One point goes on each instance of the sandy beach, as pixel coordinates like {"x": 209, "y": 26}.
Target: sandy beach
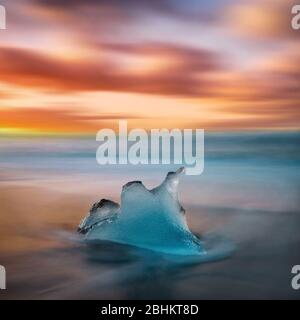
{"x": 45, "y": 259}
{"x": 246, "y": 199}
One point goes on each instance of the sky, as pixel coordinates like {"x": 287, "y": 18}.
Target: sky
{"x": 74, "y": 67}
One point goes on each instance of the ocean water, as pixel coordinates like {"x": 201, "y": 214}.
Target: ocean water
{"x": 246, "y": 203}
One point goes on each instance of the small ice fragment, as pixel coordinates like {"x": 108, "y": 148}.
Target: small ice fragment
{"x": 151, "y": 219}
{"x": 104, "y": 210}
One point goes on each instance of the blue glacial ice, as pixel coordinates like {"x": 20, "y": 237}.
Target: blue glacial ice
{"x": 150, "y": 219}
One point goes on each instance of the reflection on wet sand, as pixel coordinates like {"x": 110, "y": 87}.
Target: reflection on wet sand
{"x": 248, "y": 195}
{"x": 45, "y": 259}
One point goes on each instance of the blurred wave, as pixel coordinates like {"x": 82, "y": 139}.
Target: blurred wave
{"x": 248, "y": 196}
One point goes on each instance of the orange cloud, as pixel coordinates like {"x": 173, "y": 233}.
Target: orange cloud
{"x": 53, "y": 120}
{"x": 185, "y": 75}
{"x": 149, "y": 58}
{"x": 261, "y": 19}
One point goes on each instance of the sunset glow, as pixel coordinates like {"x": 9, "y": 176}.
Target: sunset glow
{"x": 78, "y": 66}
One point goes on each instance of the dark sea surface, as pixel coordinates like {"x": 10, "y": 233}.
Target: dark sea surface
{"x": 246, "y": 202}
